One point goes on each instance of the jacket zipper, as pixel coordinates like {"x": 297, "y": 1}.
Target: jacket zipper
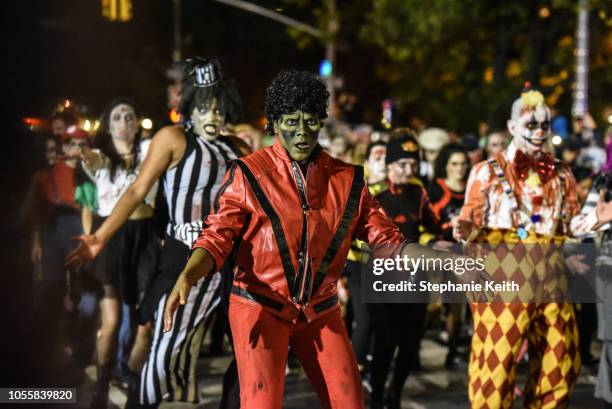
{"x": 301, "y": 293}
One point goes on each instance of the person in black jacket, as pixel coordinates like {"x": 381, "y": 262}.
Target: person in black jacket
{"x": 406, "y": 202}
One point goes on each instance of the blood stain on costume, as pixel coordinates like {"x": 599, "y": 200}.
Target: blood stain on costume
{"x": 259, "y": 385}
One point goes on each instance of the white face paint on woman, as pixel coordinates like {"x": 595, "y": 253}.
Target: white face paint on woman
{"x": 123, "y": 124}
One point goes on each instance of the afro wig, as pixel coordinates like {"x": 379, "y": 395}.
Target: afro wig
{"x": 292, "y": 91}
{"x": 223, "y": 90}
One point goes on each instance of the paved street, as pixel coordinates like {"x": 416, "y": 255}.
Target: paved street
{"x": 433, "y": 388}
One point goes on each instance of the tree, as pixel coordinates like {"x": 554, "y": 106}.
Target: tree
{"x": 456, "y": 62}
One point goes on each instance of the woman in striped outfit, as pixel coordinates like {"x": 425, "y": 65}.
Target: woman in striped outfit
{"x": 191, "y": 160}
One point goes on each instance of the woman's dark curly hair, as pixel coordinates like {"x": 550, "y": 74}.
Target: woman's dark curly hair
{"x": 225, "y": 91}
{"x": 444, "y": 156}
{"x": 292, "y": 91}
{"x": 104, "y": 141}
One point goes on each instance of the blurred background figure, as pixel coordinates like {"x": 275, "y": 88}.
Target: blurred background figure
{"x": 406, "y": 202}
{"x": 56, "y": 219}
{"x": 592, "y": 154}
{"x": 568, "y": 153}
{"x": 63, "y": 120}
{"x": 375, "y": 166}
{"x": 339, "y": 149}
{"x": 51, "y": 150}
{"x": 472, "y": 146}
{"x": 350, "y": 109}
{"x": 251, "y": 136}
{"x": 559, "y": 123}
{"x": 360, "y": 324}
{"x": 447, "y": 194}
{"x": 495, "y": 143}
{"x": 431, "y": 141}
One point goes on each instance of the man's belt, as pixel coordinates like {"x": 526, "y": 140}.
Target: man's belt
{"x": 278, "y": 306}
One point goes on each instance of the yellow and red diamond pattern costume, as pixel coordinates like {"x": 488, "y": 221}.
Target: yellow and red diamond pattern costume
{"x": 524, "y": 218}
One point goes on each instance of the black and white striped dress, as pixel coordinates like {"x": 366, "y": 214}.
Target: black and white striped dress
{"x": 189, "y": 190}
{"x": 191, "y": 186}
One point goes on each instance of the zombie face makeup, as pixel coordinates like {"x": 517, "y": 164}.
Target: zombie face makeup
{"x": 208, "y": 120}
{"x": 377, "y": 170}
{"x": 298, "y": 133}
{"x": 402, "y": 170}
{"x": 530, "y": 127}
{"x": 123, "y": 123}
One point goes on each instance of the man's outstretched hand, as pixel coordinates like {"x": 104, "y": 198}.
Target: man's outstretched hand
{"x": 89, "y": 247}
{"x": 177, "y": 297}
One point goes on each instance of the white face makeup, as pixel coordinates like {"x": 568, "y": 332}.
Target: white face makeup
{"x": 402, "y": 170}
{"x": 208, "y": 121}
{"x": 123, "y": 123}
{"x": 531, "y": 129}
{"x": 377, "y": 170}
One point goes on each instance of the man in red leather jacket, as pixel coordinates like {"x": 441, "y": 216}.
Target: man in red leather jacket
{"x": 287, "y": 215}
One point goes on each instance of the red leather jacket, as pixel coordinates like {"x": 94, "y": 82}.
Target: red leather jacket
{"x": 292, "y": 233}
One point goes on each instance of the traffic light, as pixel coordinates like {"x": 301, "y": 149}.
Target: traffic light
{"x": 117, "y": 10}
{"x": 325, "y": 69}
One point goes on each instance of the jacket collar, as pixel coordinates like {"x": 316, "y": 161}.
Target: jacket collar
{"x": 282, "y": 153}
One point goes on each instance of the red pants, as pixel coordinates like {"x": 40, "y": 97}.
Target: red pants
{"x": 261, "y": 342}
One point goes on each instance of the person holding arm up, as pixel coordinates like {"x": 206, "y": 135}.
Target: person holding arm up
{"x": 191, "y": 160}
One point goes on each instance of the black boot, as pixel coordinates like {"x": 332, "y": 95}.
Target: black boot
{"x": 133, "y": 390}
{"x": 100, "y": 397}
{"x": 133, "y": 393}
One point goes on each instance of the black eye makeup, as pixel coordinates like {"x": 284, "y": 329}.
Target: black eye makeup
{"x": 533, "y": 125}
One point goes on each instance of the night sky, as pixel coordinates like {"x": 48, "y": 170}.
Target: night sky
{"x": 66, "y": 49}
